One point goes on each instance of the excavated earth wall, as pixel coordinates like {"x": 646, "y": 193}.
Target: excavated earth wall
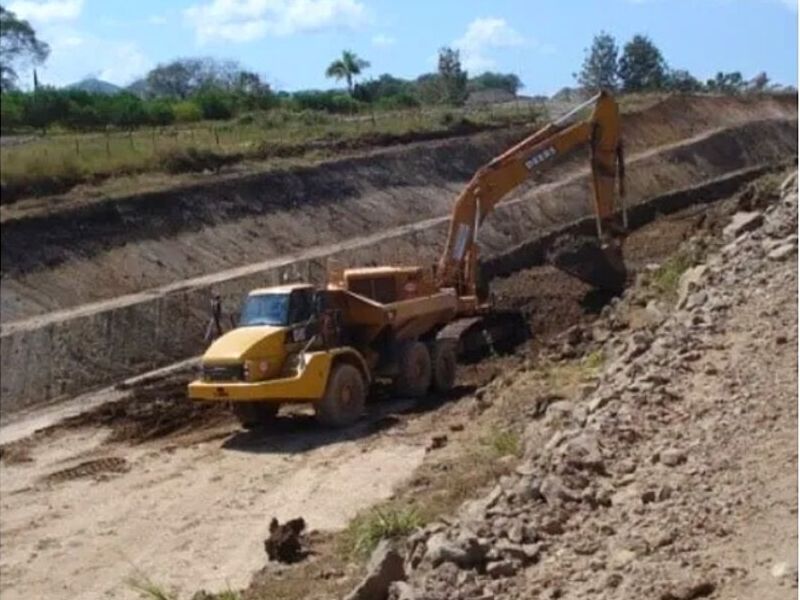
{"x": 79, "y": 345}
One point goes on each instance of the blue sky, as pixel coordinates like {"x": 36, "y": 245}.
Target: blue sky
{"x": 290, "y": 42}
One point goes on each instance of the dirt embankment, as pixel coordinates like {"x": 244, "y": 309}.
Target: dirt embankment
{"x": 60, "y": 256}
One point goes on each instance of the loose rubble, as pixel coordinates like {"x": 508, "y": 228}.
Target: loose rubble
{"x": 623, "y": 490}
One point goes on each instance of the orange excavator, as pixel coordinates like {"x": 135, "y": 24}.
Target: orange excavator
{"x": 326, "y": 345}
{"x": 597, "y": 261}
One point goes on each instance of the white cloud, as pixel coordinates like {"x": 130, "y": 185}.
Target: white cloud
{"x": 45, "y": 12}
{"x": 124, "y": 62}
{"x": 382, "y": 40}
{"x": 482, "y": 35}
{"x": 246, "y": 20}
{"x": 790, "y": 4}
{"x": 157, "y": 20}
{"x": 74, "y": 55}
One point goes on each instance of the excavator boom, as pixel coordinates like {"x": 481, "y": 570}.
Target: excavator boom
{"x": 600, "y": 133}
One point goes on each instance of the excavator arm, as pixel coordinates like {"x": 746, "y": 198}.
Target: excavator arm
{"x": 600, "y": 133}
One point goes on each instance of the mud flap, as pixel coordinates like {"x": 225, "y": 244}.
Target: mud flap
{"x": 494, "y": 333}
{"x": 601, "y": 265}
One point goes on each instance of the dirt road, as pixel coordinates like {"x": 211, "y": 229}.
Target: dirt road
{"x": 189, "y": 512}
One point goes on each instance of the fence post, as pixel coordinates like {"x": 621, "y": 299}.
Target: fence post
{"x": 108, "y": 144}
{"x": 130, "y": 138}
{"x": 216, "y": 135}
{"x": 77, "y": 146}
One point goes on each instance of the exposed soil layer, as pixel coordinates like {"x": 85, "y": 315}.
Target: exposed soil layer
{"x": 129, "y": 244}
{"x": 152, "y": 411}
{"x": 551, "y": 300}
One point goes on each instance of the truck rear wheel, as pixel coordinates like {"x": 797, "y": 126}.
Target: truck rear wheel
{"x": 444, "y": 362}
{"x": 252, "y": 415}
{"x": 345, "y": 395}
{"x": 415, "y": 370}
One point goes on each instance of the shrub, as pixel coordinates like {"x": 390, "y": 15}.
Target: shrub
{"x": 127, "y": 111}
{"x": 11, "y": 110}
{"x": 369, "y": 528}
{"x": 397, "y": 101}
{"x": 187, "y": 112}
{"x": 160, "y": 112}
{"x": 214, "y": 104}
{"x": 330, "y": 101}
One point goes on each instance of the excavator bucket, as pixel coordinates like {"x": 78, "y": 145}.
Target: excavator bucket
{"x": 587, "y": 258}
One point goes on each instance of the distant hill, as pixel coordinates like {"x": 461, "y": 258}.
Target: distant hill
{"x": 138, "y": 88}
{"x": 96, "y": 86}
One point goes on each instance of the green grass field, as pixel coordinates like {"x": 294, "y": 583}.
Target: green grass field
{"x": 58, "y": 161}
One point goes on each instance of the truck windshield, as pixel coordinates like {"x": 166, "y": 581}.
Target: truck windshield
{"x": 265, "y": 309}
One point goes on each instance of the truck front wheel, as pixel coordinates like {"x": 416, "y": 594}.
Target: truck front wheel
{"x": 345, "y": 395}
{"x": 252, "y": 415}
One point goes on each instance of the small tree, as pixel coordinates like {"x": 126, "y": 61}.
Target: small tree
{"x": 18, "y": 44}
{"x": 758, "y": 83}
{"x": 680, "y": 80}
{"x": 452, "y": 77}
{"x": 347, "y": 67}
{"x": 599, "y": 70}
{"x": 495, "y": 81}
{"x": 726, "y": 83}
{"x": 642, "y": 67}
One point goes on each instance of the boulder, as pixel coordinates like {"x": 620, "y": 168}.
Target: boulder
{"x": 743, "y": 222}
{"x": 385, "y": 567}
{"x": 465, "y": 551}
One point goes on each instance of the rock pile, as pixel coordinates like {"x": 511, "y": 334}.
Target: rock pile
{"x": 621, "y": 489}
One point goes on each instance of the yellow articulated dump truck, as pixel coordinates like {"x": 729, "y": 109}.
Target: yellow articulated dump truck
{"x": 296, "y": 343}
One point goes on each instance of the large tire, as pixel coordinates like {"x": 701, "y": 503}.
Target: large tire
{"x": 252, "y": 415}
{"x": 414, "y": 377}
{"x": 344, "y": 399}
{"x": 444, "y": 361}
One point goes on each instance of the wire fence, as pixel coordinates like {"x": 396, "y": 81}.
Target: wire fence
{"x": 115, "y": 151}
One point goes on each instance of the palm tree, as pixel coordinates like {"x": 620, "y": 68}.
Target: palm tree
{"x": 346, "y": 67}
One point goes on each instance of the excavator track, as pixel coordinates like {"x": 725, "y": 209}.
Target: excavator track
{"x": 497, "y": 332}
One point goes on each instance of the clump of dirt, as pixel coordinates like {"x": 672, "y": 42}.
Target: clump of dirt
{"x": 552, "y": 300}
{"x": 17, "y": 452}
{"x": 286, "y": 543}
{"x": 195, "y": 160}
{"x": 152, "y": 411}
{"x": 90, "y": 468}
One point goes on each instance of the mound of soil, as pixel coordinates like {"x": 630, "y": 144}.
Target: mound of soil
{"x": 152, "y": 411}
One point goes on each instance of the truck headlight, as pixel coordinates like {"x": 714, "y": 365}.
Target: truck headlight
{"x": 253, "y": 369}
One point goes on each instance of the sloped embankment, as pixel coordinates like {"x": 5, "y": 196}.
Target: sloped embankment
{"x": 54, "y": 258}
{"x": 65, "y": 352}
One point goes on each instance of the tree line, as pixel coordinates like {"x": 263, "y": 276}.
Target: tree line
{"x": 641, "y": 67}
{"x": 193, "y": 89}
